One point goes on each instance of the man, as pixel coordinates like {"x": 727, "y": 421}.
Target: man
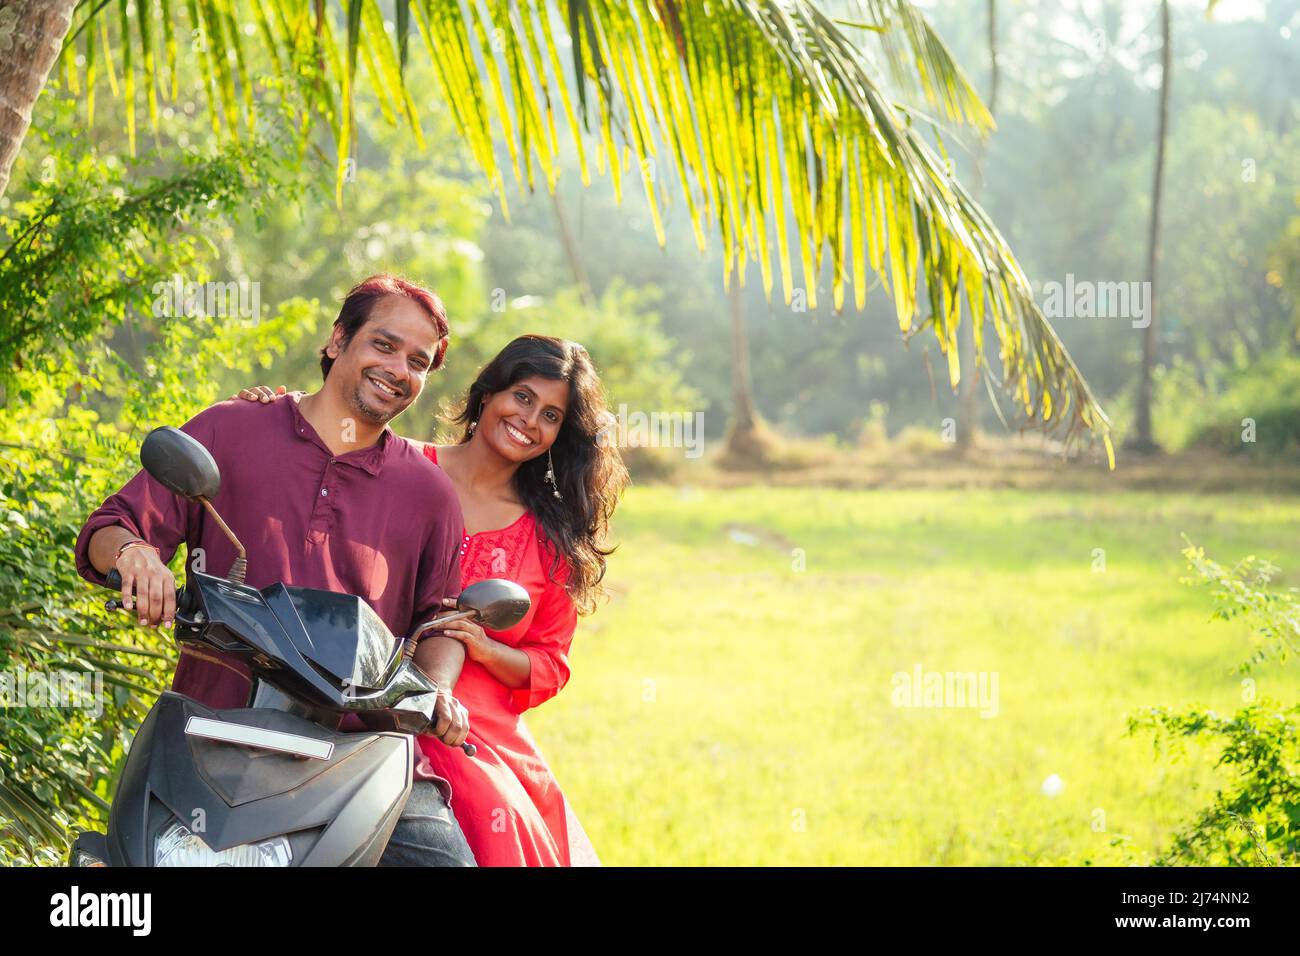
{"x": 322, "y": 494}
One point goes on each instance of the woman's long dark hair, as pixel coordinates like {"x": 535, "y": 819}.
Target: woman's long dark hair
{"x": 589, "y": 470}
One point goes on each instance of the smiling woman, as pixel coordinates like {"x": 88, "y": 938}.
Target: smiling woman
{"x": 537, "y": 488}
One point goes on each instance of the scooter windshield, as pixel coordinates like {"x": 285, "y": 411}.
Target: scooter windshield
{"x": 342, "y": 635}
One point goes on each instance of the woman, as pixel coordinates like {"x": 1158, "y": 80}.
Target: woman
{"x": 537, "y": 488}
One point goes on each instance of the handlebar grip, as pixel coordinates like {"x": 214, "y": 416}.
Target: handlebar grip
{"x": 113, "y": 581}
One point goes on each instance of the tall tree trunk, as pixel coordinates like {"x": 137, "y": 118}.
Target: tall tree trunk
{"x": 967, "y": 405}
{"x": 994, "y": 77}
{"x": 571, "y": 253}
{"x": 743, "y": 443}
{"x": 31, "y": 35}
{"x": 1142, "y": 439}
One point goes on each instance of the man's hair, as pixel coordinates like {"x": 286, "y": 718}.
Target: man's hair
{"x": 361, "y": 300}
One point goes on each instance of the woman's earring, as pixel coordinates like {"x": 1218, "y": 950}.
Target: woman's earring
{"x": 550, "y": 475}
{"x": 473, "y": 425}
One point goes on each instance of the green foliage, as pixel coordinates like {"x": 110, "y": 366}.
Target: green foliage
{"x": 56, "y": 764}
{"x": 430, "y": 223}
{"x": 87, "y": 250}
{"x": 639, "y": 365}
{"x": 1067, "y": 175}
{"x": 1250, "y": 407}
{"x": 1256, "y": 819}
{"x": 1242, "y": 591}
{"x": 403, "y": 214}
{"x": 1285, "y": 271}
{"x": 58, "y": 460}
{"x": 809, "y": 159}
{"x": 1267, "y": 393}
{"x": 95, "y": 235}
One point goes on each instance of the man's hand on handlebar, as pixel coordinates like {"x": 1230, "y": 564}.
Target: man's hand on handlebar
{"x": 148, "y": 586}
{"x": 450, "y": 720}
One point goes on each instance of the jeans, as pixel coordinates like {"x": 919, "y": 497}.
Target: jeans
{"x": 427, "y": 834}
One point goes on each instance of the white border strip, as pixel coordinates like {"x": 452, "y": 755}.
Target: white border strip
{"x": 259, "y": 737}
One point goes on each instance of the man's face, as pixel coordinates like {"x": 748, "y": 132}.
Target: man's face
{"x": 382, "y": 370}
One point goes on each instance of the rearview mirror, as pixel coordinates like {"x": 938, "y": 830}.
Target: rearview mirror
{"x": 180, "y": 464}
{"x": 495, "y": 603}
{"x": 499, "y": 604}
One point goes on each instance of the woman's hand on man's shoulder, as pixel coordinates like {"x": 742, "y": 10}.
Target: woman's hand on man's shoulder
{"x": 260, "y": 393}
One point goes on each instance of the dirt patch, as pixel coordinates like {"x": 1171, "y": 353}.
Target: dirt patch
{"x": 1014, "y": 463}
{"x": 753, "y": 535}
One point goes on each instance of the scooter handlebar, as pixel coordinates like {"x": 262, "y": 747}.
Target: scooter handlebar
{"x": 113, "y": 581}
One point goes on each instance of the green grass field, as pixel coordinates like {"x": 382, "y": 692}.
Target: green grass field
{"x": 728, "y": 708}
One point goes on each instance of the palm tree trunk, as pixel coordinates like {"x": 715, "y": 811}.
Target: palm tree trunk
{"x": 1142, "y": 439}
{"x": 994, "y": 77}
{"x": 967, "y": 405}
{"x": 31, "y": 35}
{"x": 743, "y": 444}
{"x": 571, "y": 253}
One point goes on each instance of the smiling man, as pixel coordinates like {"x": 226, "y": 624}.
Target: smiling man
{"x": 323, "y": 494}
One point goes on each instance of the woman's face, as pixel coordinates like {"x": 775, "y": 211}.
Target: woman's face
{"x": 522, "y": 421}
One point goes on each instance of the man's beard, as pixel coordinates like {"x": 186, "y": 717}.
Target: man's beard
{"x": 375, "y": 415}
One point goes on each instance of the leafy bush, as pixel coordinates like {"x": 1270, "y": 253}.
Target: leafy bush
{"x": 639, "y": 366}
{"x": 56, "y": 765}
{"x": 1256, "y": 818}
{"x": 85, "y": 250}
{"x": 1268, "y": 394}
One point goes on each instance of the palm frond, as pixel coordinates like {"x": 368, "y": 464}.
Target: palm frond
{"x": 30, "y": 817}
{"x": 46, "y": 639}
{"x": 769, "y": 114}
{"x": 917, "y": 60}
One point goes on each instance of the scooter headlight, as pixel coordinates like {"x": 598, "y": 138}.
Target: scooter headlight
{"x": 177, "y": 846}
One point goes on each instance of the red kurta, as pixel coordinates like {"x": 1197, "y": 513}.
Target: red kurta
{"x": 505, "y": 798}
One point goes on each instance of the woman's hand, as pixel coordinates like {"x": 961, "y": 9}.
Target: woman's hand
{"x": 259, "y": 393}
{"x": 509, "y": 665}
{"x": 477, "y": 644}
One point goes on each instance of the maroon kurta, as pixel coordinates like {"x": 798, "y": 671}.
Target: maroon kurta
{"x": 382, "y": 523}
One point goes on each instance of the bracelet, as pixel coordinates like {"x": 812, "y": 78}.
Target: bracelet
{"x": 137, "y": 543}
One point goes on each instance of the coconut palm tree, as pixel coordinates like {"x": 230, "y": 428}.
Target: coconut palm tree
{"x": 967, "y": 411}
{"x": 772, "y": 125}
{"x": 1143, "y": 439}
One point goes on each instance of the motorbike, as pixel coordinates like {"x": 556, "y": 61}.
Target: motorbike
{"x": 280, "y": 782}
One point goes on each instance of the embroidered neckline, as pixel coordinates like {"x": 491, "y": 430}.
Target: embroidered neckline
{"x": 511, "y": 541}
{"x": 495, "y": 554}
{"x": 501, "y": 530}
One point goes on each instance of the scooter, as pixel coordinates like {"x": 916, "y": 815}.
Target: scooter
{"x": 276, "y": 783}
